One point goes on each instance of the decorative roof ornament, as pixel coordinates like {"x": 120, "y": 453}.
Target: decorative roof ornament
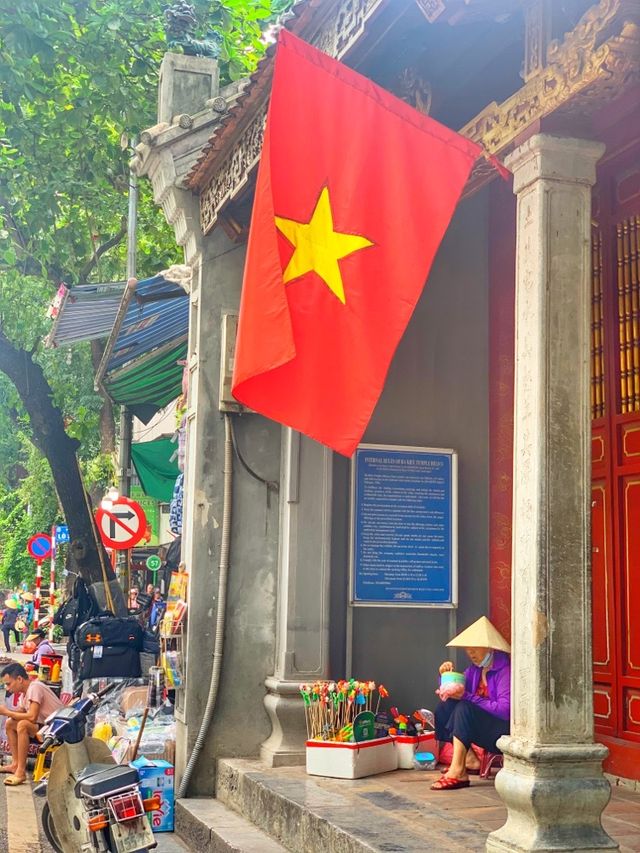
{"x": 180, "y": 28}
{"x": 415, "y": 90}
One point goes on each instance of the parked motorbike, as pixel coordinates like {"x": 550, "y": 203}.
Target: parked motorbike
{"x": 93, "y": 804}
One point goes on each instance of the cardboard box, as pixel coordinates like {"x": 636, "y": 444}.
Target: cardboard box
{"x": 407, "y": 746}
{"x": 351, "y": 760}
{"x": 156, "y": 777}
{"x": 133, "y": 698}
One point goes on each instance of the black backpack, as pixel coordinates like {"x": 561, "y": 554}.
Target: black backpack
{"x": 79, "y": 607}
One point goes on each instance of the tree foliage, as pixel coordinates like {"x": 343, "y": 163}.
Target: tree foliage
{"x": 78, "y": 82}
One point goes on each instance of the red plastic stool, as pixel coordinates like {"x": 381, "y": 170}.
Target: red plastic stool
{"x": 489, "y": 760}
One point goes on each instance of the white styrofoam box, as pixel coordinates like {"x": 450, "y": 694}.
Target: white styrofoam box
{"x": 407, "y": 746}
{"x": 351, "y": 760}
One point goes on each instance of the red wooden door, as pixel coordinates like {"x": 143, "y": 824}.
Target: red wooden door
{"x": 615, "y": 402}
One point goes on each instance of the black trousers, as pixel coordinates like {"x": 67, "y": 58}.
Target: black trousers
{"x": 6, "y": 632}
{"x": 469, "y": 723}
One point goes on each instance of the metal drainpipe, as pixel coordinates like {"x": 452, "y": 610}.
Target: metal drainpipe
{"x": 227, "y": 494}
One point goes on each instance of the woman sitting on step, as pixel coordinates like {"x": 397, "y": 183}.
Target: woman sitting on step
{"x": 476, "y": 711}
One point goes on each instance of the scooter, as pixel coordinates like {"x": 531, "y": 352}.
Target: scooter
{"x": 93, "y": 804}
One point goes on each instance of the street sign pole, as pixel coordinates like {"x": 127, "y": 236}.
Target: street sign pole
{"x": 52, "y": 581}
{"x": 36, "y": 604}
{"x": 39, "y": 547}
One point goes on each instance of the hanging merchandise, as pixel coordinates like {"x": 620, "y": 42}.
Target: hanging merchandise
{"x": 175, "y": 508}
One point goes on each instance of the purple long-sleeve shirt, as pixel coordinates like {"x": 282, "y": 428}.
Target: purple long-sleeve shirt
{"x": 498, "y": 701}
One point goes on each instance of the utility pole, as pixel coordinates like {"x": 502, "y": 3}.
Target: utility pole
{"x": 126, "y": 419}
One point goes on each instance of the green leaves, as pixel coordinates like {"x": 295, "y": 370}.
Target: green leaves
{"x": 75, "y": 75}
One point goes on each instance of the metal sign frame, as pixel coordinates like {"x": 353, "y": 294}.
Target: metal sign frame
{"x": 452, "y": 502}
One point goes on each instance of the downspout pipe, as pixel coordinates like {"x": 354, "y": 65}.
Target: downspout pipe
{"x": 227, "y": 495}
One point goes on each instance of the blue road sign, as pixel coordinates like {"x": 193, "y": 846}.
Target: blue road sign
{"x": 62, "y": 534}
{"x": 39, "y": 546}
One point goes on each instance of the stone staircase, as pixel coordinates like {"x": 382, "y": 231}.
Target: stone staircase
{"x": 263, "y": 810}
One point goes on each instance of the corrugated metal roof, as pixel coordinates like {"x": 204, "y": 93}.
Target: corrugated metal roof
{"x": 155, "y": 313}
{"x": 149, "y": 337}
{"x": 84, "y": 313}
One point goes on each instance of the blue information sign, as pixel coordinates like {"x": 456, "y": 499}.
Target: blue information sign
{"x": 62, "y": 534}
{"x": 404, "y": 527}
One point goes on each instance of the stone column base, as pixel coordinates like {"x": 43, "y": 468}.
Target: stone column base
{"x": 285, "y": 747}
{"x": 555, "y": 796}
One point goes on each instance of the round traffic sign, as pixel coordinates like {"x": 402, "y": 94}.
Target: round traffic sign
{"x": 153, "y": 563}
{"x": 39, "y": 546}
{"x": 122, "y": 526}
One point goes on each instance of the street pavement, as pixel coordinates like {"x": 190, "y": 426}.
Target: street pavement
{"x": 21, "y": 831}
{"x": 20, "y": 828}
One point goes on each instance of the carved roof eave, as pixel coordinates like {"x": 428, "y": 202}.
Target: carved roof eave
{"x": 595, "y": 62}
{"x": 301, "y": 17}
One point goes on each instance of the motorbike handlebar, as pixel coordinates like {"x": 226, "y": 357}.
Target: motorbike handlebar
{"x": 46, "y": 743}
{"x": 97, "y": 696}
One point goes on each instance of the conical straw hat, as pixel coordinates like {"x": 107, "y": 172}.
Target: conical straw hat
{"x": 482, "y": 635}
{"x": 27, "y": 596}
{"x": 11, "y": 604}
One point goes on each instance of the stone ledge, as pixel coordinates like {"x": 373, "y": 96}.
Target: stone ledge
{"x": 317, "y": 815}
{"x": 209, "y": 827}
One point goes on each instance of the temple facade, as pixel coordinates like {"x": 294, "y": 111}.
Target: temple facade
{"x": 523, "y": 356}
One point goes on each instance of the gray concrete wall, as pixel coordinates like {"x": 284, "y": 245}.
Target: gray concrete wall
{"x": 436, "y": 395}
{"x": 240, "y": 723}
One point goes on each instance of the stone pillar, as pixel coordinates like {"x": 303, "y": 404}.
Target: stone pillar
{"x": 302, "y": 632}
{"x": 186, "y": 84}
{"x": 552, "y": 781}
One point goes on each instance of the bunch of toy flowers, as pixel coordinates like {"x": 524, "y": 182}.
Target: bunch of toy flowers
{"x": 331, "y": 706}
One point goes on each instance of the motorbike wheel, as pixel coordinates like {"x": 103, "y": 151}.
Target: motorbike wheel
{"x": 49, "y": 829}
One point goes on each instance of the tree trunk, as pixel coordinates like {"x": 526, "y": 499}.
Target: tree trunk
{"x": 49, "y": 436}
{"x": 107, "y": 422}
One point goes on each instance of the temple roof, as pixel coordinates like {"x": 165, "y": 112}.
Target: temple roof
{"x": 303, "y": 19}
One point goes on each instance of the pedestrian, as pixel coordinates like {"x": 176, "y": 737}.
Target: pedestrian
{"x": 42, "y": 644}
{"x": 37, "y": 702}
{"x": 9, "y": 618}
{"x": 158, "y": 606}
{"x": 133, "y": 598}
{"x": 28, "y": 608}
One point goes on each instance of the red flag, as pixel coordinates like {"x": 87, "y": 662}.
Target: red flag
{"x": 355, "y": 190}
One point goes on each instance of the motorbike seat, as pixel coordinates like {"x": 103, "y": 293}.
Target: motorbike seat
{"x": 89, "y": 770}
{"x": 106, "y": 779}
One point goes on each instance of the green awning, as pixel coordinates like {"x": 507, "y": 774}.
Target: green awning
{"x": 149, "y": 383}
{"x": 154, "y": 466}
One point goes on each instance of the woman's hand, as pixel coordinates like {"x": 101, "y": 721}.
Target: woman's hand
{"x": 447, "y": 666}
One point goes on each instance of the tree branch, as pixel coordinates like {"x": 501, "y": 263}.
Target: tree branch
{"x": 104, "y": 247}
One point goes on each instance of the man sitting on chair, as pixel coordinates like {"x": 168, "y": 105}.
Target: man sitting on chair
{"x": 37, "y": 702}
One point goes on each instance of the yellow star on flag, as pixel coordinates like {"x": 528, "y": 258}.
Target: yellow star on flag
{"x": 318, "y": 247}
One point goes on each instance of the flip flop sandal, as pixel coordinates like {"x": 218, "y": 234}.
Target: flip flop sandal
{"x": 446, "y": 784}
{"x": 6, "y": 770}
{"x": 13, "y": 781}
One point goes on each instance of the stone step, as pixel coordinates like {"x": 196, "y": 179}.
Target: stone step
{"x": 314, "y": 815}
{"x": 208, "y": 826}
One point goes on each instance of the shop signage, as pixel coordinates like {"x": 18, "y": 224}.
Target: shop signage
{"x": 404, "y": 549}
{"x": 122, "y": 526}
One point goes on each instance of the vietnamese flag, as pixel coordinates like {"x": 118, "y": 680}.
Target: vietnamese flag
{"x": 354, "y": 193}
